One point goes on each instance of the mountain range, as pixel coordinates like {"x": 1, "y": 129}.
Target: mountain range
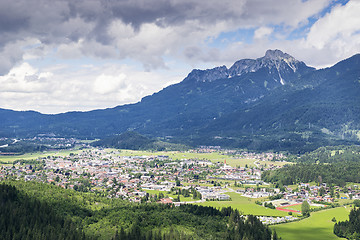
{"x": 273, "y": 102}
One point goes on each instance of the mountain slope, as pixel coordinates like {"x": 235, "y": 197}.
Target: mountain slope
{"x": 327, "y": 112}
{"x": 271, "y": 102}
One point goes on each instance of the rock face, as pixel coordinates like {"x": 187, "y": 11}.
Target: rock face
{"x": 208, "y": 75}
{"x": 281, "y": 66}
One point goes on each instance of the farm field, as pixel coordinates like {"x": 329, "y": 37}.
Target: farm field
{"x": 31, "y": 156}
{"x": 244, "y": 205}
{"x": 213, "y": 157}
{"x": 318, "y": 226}
{"x": 175, "y": 155}
{"x": 277, "y": 163}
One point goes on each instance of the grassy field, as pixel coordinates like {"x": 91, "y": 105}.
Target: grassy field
{"x": 318, "y": 226}
{"x": 214, "y": 157}
{"x": 31, "y": 156}
{"x": 298, "y": 207}
{"x": 277, "y": 163}
{"x": 182, "y": 198}
{"x": 244, "y": 205}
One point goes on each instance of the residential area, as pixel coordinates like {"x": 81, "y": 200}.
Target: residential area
{"x": 162, "y": 179}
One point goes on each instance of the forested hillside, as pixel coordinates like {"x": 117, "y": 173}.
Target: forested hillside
{"x": 24, "y": 217}
{"x": 330, "y": 154}
{"x": 41, "y": 211}
{"x": 336, "y": 173}
{"x": 135, "y": 141}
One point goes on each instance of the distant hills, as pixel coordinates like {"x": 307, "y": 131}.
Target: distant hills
{"x": 273, "y": 102}
{"x": 135, "y": 141}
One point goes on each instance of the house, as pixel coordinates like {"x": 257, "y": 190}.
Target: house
{"x": 223, "y": 197}
{"x": 165, "y": 201}
{"x": 29, "y": 177}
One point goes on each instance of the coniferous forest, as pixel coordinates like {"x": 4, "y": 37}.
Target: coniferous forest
{"x": 31, "y": 210}
{"x": 333, "y": 165}
{"x": 23, "y": 217}
{"x": 349, "y": 229}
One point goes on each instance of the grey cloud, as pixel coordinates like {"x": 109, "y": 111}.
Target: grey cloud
{"x": 9, "y": 56}
{"x": 63, "y": 21}
{"x": 42, "y": 17}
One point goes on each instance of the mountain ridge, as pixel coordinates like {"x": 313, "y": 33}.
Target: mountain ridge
{"x": 255, "y": 102}
{"x": 275, "y": 60}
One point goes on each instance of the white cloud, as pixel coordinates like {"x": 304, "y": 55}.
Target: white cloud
{"x": 105, "y": 84}
{"x": 145, "y": 32}
{"x": 56, "y": 89}
{"x": 343, "y": 22}
{"x": 262, "y": 32}
{"x": 24, "y": 78}
{"x": 338, "y": 31}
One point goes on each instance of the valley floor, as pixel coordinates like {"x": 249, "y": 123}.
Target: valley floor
{"x": 141, "y": 176}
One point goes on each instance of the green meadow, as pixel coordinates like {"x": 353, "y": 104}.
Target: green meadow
{"x": 36, "y": 155}
{"x": 298, "y": 207}
{"x": 213, "y": 157}
{"x": 244, "y": 205}
{"x": 176, "y": 155}
{"x": 318, "y": 226}
{"x": 182, "y": 198}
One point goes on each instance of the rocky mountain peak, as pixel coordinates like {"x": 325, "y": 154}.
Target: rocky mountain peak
{"x": 281, "y": 67}
{"x": 277, "y": 55}
{"x": 208, "y": 75}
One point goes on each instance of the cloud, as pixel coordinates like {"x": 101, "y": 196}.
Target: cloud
{"x": 56, "y": 89}
{"x": 338, "y": 31}
{"x": 262, "y": 32}
{"x": 87, "y": 54}
{"x": 105, "y": 84}
{"x": 25, "y": 79}
{"x": 331, "y": 38}
{"x": 148, "y": 33}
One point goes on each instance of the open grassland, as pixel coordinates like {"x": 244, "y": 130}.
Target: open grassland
{"x": 182, "y": 198}
{"x": 318, "y": 226}
{"x": 31, "y": 156}
{"x": 344, "y": 201}
{"x": 298, "y": 207}
{"x": 213, "y": 157}
{"x": 244, "y": 205}
{"x": 276, "y": 163}
{"x": 176, "y": 155}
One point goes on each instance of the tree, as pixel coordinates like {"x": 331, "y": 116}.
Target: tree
{"x": 357, "y": 203}
{"x": 305, "y": 209}
{"x": 105, "y": 180}
{"x": 177, "y": 182}
{"x": 275, "y": 237}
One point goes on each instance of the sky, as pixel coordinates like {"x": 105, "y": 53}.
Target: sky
{"x": 79, "y": 55}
